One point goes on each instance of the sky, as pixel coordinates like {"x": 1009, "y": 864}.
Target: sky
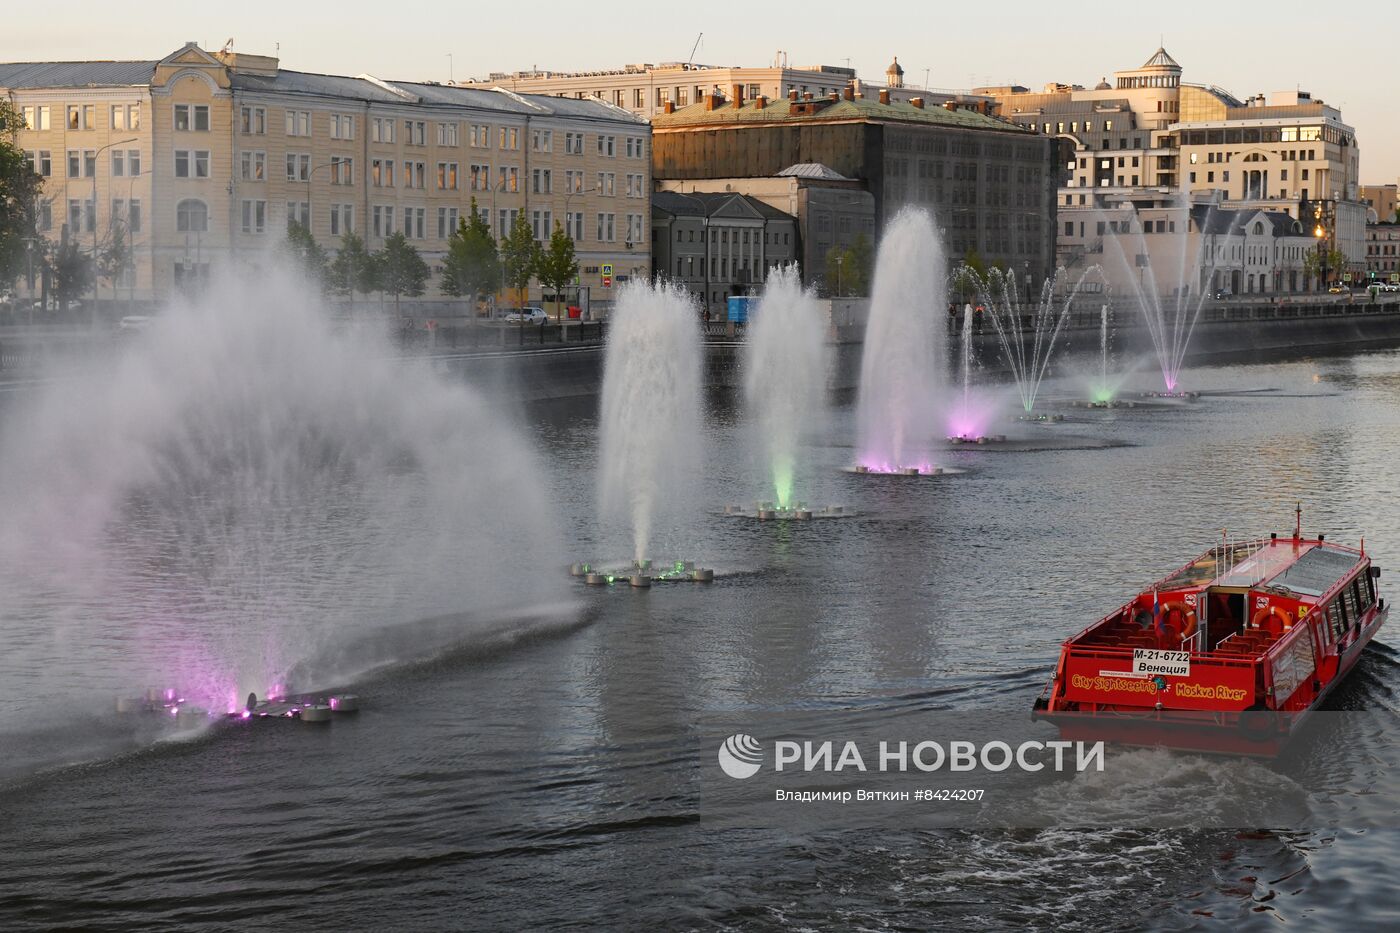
{"x": 1243, "y": 48}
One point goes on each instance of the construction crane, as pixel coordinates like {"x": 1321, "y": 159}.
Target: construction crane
{"x": 690, "y": 61}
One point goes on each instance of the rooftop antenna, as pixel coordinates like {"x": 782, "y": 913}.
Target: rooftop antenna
{"x": 449, "y": 69}
{"x": 694, "y": 48}
{"x": 228, "y": 46}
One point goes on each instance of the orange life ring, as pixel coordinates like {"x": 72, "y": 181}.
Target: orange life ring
{"x": 1187, "y": 613}
{"x": 1267, "y": 612}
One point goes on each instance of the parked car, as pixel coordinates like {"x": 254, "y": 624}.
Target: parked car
{"x": 527, "y": 315}
{"x": 133, "y": 322}
{"x": 1221, "y": 293}
{"x": 1338, "y": 290}
{"x": 1390, "y": 286}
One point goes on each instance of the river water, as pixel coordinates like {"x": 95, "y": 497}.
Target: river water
{"x": 550, "y": 780}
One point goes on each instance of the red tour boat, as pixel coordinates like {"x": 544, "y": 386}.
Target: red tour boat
{"x": 1228, "y": 654}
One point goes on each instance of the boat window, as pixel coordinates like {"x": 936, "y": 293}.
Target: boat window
{"x": 1349, "y": 601}
{"x": 1361, "y": 592}
{"x": 1336, "y": 620}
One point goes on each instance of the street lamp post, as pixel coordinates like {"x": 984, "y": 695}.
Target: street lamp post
{"x": 840, "y": 261}
{"x": 1318, "y": 234}
{"x": 96, "y": 159}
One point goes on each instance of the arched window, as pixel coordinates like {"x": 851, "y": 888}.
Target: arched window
{"x": 191, "y": 216}
{"x": 1258, "y": 229}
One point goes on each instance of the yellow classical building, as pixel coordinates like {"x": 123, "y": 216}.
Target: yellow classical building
{"x": 204, "y": 158}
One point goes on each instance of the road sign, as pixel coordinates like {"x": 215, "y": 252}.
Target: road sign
{"x": 1395, "y": 276}
{"x": 1346, "y": 277}
{"x": 607, "y": 281}
{"x": 607, "y": 270}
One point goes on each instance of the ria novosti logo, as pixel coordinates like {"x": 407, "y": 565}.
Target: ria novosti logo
{"x": 740, "y": 756}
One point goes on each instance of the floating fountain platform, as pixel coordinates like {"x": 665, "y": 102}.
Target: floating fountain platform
{"x": 911, "y": 471}
{"x": 307, "y": 707}
{"x": 1173, "y": 396}
{"x": 798, "y": 512}
{"x": 1046, "y": 418}
{"x": 641, "y": 574}
{"x": 981, "y": 440}
{"x": 1104, "y": 404}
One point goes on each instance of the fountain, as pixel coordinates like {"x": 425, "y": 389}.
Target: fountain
{"x": 1170, "y": 319}
{"x": 901, "y": 373}
{"x": 785, "y": 363}
{"x": 249, "y": 492}
{"x": 974, "y": 410}
{"x": 650, "y": 421}
{"x": 1027, "y": 334}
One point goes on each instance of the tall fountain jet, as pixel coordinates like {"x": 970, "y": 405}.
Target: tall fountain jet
{"x": 247, "y": 492}
{"x": 1026, "y": 329}
{"x": 901, "y": 371}
{"x": 785, "y": 375}
{"x": 650, "y": 432}
{"x": 1185, "y": 270}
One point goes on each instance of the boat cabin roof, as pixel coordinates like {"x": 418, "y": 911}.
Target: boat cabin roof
{"x": 1303, "y": 569}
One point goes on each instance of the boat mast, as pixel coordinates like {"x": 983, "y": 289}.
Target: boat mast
{"x": 1298, "y": 521}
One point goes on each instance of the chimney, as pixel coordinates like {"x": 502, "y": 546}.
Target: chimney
{"x": 833, "y": 96}
{"x": 762, "y": 101}
{"x": 669, "y": 107}
{"x": 917, "y": 102}
{"x": 738, "y": 92}
{"x": 884, "y": 95}
{"x": 792, "y": 95}
{"x": 713, "y": 100}
{"x": 850, "y": 92}
{"x": 806, "y": 95}
{"x": 950, "y": 105}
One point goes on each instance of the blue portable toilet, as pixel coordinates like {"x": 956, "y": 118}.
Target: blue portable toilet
{"x": 739, "y": 309}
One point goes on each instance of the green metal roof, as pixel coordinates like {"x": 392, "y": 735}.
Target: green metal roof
{"x": 860, "y": 110}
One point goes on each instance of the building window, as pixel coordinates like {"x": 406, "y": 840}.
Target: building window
{"x": 298, "y": 212}
{"x": 191, "y": 163}
{"x": 44, "y": 166}
{"x": 252, "y": 121}
{"x": 253, "y": 166}
{"x": 342, "y": 219}
{"x": 298, "y": 122}
{"x": 481, "y": 135}
{"x": 639, "y": 98}
{"x": 118, "y": 163}
{"x": 607, "y": 183}
{"x": 298, "y": 166}
{"x": 415, "y": 133}
{"x": 508, "y": 179}
{"x": 342, "y": 126}
{"x": 607, "y": 227}
{"x": 447, "y": 134}
{"x": 254, "y": 216}
{"x": 542, "y": 181}
{"x": 447, "y": 176}
{"x": 382, "y": 220}
{"x": 510, "y": 137}
{"x": 607, "y": 146}
{"x": 191, "y": 216}
{"x": 481, "y": 177}
{"x": 542, "y": 224}
{"x": 381, "y": 130}
{"x": 573, "y": 225}
{"x": 573, "y": 143}
{"x": 415, "y": 174}
{"x": 342, "y": 170}
{"x": 542, "y": 140}
{"x": 35, "y": 117}
{"x": 447, "y": 222}
{"x": 634, "y": 228}
{"x": 192, "y": 117}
